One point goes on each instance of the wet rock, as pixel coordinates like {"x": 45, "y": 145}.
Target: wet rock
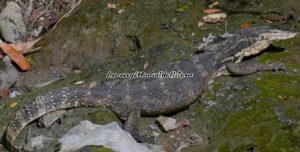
{"x": 12, "y": 25}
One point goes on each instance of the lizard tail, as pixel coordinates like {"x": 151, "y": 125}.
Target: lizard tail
{"x": 63, "y": 98}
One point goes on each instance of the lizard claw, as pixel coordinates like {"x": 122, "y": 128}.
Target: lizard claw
{"x": 26, "y": 146}
{"x": 145, "y": 138}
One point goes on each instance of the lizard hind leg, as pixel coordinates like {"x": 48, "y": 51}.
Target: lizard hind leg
{"x": 252, "y": 66}
{"x": 132, "y": 126}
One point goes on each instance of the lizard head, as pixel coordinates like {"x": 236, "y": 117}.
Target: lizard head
{"x": 269, "y": 34}
{"x": 258, "y": 39}
{"x": 247, "y": 42}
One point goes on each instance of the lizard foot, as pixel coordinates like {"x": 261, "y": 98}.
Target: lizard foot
{"x": 131, "y": 126}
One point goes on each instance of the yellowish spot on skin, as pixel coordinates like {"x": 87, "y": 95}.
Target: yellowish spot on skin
{"x": 13, "y": 105}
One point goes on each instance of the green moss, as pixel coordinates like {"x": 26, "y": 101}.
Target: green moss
{"x": 102, "y": 116}
{"x": 258, "y": 127}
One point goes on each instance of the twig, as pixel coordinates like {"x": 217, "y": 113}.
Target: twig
{"x": 29, "y": 11}
{"x": 66, "y": 15}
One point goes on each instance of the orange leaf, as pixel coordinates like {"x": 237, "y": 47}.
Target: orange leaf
{"x": 211, "y": 11}
{"x": 25, "y": 47}
{"x": 16, "y": 56}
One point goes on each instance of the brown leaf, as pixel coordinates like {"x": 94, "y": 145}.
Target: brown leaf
{"x": 16, "y": 56}
{"x": 4, "y": 93}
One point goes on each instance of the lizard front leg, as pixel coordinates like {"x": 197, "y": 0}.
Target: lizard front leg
{"x": 252, "y": 66}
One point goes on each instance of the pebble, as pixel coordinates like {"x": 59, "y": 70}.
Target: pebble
{"x": 167, "y": 123}
{"x": 79, "y": 82}
{"x": 13, "y": 94}
{"x": 200, "y": 24}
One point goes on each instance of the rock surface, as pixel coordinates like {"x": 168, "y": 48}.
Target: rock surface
{"x": 12, "y": 25}
{"x": 8, "y": 73}
{"x": 110, "y": 135}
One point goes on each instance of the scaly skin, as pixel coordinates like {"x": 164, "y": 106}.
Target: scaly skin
{"x": 151, "y": 96}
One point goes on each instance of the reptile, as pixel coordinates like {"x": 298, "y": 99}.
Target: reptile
{"x": 151, "y": 96}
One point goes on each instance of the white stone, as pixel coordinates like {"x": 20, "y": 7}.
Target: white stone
{"x": 109, "y": 135}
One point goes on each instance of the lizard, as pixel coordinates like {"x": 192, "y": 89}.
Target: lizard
{"x": 156, "y": 96}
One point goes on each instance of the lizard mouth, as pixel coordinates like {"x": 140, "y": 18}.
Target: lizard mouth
{"x": 288, "y": 35}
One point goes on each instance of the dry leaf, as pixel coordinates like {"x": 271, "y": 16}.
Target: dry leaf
{"x": 25, "y": 47}
{"x": 211, "y": 11}
{"x": 215, "y": 18}
{"x": 16, "y": 56}
{"x": 13, "y": 105}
